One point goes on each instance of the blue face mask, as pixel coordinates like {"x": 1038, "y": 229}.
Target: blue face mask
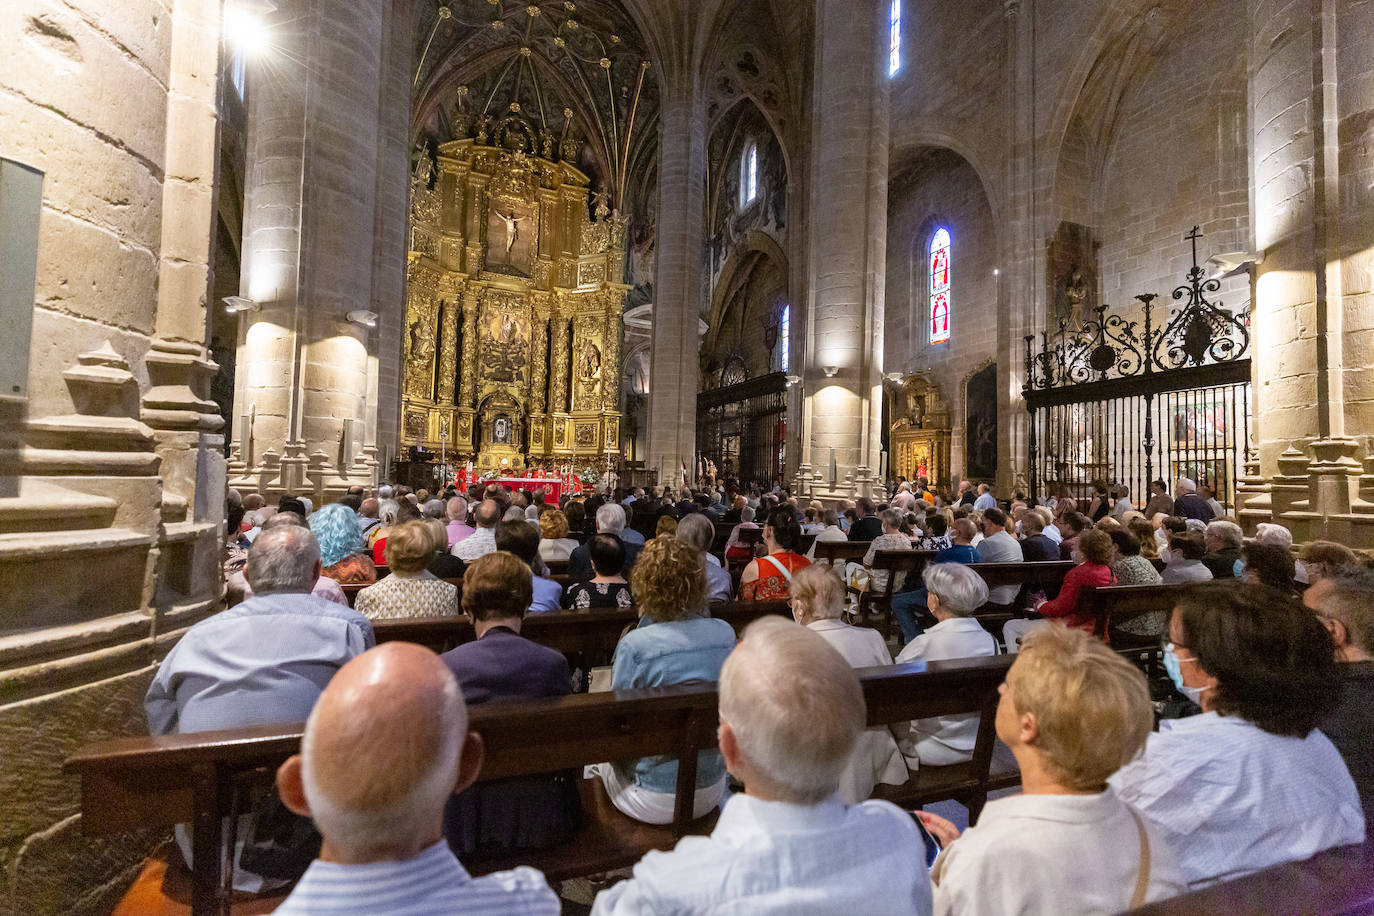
{"x": 1238, "y": 568}
{"x": 1171, "y": 665}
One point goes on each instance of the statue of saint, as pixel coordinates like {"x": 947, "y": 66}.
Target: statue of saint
{"x": 512, "y": 228}
{"x": 590, "y": 363}
{"x": 1075, "y": 293}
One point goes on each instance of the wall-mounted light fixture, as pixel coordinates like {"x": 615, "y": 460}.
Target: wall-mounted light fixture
{"x": 830, "y": 371}
{"x": 793, "y": 380}
{"x": 1230, "y": 263}
{"x": 893, "y": 376}
{"x": 363, "y": 317}
{"x": 235, "y": 304}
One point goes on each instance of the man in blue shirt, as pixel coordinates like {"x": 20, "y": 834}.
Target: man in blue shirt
{"x": 386, "y": 746}
{"x": 522, "y": 539}
{"x": 262, "y": 662}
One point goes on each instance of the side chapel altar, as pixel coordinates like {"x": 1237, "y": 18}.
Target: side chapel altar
{"x": 513, "y": 323}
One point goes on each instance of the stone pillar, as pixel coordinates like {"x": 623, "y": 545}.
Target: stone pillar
{"x": 847, "y": 241}
{"x": 310, "y": 226}
{"x": 678, "y": 283}
{"x": 1313, "y": 205}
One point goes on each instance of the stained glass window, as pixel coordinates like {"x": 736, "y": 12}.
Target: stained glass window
{"x": 749, "y": 174}
{"x": 894, "y": 38}
{"x": 784, "y": 331}
{"x": 939, "y": 286}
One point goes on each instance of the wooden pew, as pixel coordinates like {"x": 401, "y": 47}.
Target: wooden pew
{"x": 351, "y": 590}
{"x": 138, "y": 783}
{"x": 1337, "y": 882}
{"x": 593, "y": 633}
{"x": 843, "y": 551}
{"x": 878, "y": 602}
{"x": 1043, "y": 574}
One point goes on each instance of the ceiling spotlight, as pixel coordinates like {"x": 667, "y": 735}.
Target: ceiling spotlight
{"x": 363, "y": 317}
{"x": 235, "y": 304}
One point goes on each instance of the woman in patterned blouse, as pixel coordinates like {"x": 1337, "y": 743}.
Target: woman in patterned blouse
{"x": 410, "y": 590}
{"x": 608, "y": 587}
{"x": 340, "y": 535}
{"x": 769, "y": 578}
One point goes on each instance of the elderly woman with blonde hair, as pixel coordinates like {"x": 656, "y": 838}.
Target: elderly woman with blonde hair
{"x": 675, "y": 642}
{"x": 817, "y": 601}
{"x": 1072, "y": 712}
{"x": 411, "y": 590}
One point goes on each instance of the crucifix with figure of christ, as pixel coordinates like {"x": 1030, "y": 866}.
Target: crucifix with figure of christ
{"x": 512, "y": 228}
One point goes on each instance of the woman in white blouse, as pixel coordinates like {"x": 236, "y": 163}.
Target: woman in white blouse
{"x": 554, "y": 543}
{"x": 1072, "y": 711}
{"x": 955, "y": 592}
{"x": 817, "y": 600}
{"x": 1251, "y": 782}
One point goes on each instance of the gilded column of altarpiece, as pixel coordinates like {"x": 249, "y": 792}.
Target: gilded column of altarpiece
{"x": 513, "y": 327}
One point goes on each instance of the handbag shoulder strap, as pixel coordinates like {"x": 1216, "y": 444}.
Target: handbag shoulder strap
{"x": 1142, "y": 878}
{"x": 781, "y": 568}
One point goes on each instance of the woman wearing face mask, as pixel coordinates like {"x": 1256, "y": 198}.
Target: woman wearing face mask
{"x": 1251, "y": 782}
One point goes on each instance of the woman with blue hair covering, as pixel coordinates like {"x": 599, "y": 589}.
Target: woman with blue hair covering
{"x": 340, "y": 535}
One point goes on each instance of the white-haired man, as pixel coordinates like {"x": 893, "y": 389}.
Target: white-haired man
{"x": 383, "y": 750}
{"x": 263, "y": 661}
{"x": 1223, "y": 541}
{"x": 610, "y": 519}
{"x": 457, "y": 526}
{"x": 1188, "y": 504}
{"x": 790, "y": 712}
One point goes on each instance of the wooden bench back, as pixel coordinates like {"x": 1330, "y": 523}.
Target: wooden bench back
{"x": 593, "y": 632}
{"x": 1112, "y": 605}
{"x": 842, "y": 550}
{"x": 1040, "y": 573}
{"x": 142, "y": 782}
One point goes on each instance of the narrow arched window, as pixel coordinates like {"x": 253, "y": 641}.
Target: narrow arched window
{"x": 784, "y": 333}
{"x": 939, "y": 286}
{"x": 749, "y": 174}
{"x": 894, "y": 38}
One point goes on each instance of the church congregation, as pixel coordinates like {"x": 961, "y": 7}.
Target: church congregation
{"x": 715, "y": 457}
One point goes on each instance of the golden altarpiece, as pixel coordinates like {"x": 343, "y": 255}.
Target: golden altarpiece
{"x": 920, "y": 437}
{"x": 512, "y": 342}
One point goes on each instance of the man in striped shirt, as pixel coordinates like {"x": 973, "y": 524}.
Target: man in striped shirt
{"x": 384, "y": 748}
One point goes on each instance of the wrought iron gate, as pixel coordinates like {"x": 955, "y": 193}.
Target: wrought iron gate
{"x": 1121, "y": 401}
{"x": 742, "y": 428}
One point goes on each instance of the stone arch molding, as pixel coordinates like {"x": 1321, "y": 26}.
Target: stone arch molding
{"x": 738, "y": 266}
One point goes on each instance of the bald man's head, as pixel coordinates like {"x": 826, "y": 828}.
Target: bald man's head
{"x": 383, "y": 750}
{"x": 794, "y": 710}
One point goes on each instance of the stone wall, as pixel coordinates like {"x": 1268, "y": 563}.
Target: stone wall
{"x": 111, "y": 547}
{"x": 941, "y": 189}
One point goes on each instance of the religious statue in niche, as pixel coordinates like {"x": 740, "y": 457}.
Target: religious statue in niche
{"x": 500, "y": 430}
{"x": 589, "y": 363}
{"x": 512, "y": 233}
{"x": 1074, "y": 295}
{"x": 512, "y": 223}
{"x": 504, "y": 356}
{"x": 420, "y": 358}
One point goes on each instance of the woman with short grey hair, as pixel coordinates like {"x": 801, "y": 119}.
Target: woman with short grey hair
{"x": 955, "y": 594}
